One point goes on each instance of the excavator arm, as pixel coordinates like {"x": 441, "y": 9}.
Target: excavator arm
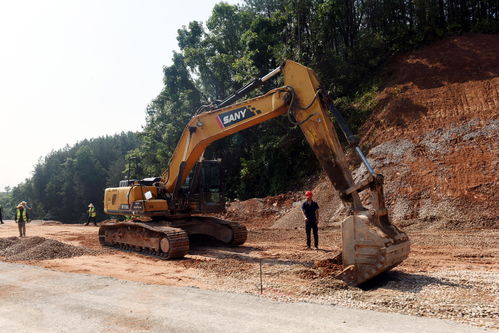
{"x": 207, "y": 127}
{"x": 300, "y": 97}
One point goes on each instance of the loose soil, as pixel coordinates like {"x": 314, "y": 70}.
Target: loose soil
{"x": 38, "y": 248}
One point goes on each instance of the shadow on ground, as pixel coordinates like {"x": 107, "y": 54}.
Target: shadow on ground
{"x": 396, "y": 280}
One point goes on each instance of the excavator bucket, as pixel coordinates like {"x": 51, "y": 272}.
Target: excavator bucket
{"x": 369, "y": 249}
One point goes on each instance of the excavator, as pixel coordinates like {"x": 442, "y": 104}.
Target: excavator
{"x": 166, "y": 210}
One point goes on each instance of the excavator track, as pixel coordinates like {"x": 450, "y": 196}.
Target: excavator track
{"x": 239, "y": 232}
{"x": 164, "y": 242}
{"x": 228, "y": 232}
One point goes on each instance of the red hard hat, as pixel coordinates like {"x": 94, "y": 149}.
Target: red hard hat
{"x": 308, "y": 194}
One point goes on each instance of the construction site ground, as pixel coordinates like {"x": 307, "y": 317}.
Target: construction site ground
{"x": 450, "y": 275}
{"x": 34, "y": 299}
{"x": 434, "y": 135}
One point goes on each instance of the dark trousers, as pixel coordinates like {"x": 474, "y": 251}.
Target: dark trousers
{"x": 312, "y": 226}
{"x": 22, "y": 228}
{"x": 91, "y": 219}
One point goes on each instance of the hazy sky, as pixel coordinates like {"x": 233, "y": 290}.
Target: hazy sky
{"x": 76, "y": 69}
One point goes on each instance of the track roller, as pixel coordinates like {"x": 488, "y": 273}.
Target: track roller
{"x": 162, "y": 241}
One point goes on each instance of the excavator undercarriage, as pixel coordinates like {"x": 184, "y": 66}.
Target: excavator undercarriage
{"x": 170, "y": 239}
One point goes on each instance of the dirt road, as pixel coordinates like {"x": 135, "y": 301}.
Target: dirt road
{"x": 449, "y": 275}
{"x": 39, "y": 300}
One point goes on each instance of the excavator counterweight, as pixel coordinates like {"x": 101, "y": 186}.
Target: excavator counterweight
{"x": 165, "y": 208}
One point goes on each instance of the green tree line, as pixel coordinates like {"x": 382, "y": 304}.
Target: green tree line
{"x": 347, "y": 42}
{"x": 65, "y": 181}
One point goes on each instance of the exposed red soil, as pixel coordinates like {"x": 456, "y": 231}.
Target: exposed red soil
{"x": 441, "y": 108}
{"x": 441, "y": 85}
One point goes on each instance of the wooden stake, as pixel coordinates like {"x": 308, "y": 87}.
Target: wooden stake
{"x": 261, "y": 279}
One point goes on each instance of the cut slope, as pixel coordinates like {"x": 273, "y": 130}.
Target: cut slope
{"x": 435, "y": 133}
{"x": 434, "y": 136}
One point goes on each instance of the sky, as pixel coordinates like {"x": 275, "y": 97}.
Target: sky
{"x": 79, "y": 69}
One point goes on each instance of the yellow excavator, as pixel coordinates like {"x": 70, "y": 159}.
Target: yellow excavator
{"x": 165, "y": 210}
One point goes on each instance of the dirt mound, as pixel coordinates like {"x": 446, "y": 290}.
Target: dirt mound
{"x": 50, "y": 222}
{"x": 262, "y": 212}
{"x": 38, "y": 248}
{"x": 283, "y": 211}
{"x": 331, "y": 210}
{"x": 328, "y": 267}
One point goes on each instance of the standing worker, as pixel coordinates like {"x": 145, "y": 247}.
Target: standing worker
{"x": 91, "y": 214}
{"x": 21, "y": 218}
{"x": 1, "y": 219}
{"x": 310, "y": 210}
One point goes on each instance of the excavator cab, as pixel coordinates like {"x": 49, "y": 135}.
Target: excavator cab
{"x": 203, "y": 188}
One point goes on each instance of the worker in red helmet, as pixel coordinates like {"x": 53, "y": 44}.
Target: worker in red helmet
{"x": 310, "y": 210}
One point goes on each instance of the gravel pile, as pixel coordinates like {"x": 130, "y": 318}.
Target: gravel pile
{"x": 39, "y": 248}
{"x": 7, "y": 242}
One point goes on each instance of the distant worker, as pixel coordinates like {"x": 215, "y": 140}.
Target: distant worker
{"x": 310, "y": 210}
{"x": 25, "y": 205}
{"x": 1, "y": 219}
{"x": 21, "y": 219}
{"x": 91, "y": 214}
{"x": 26, "y": 208}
